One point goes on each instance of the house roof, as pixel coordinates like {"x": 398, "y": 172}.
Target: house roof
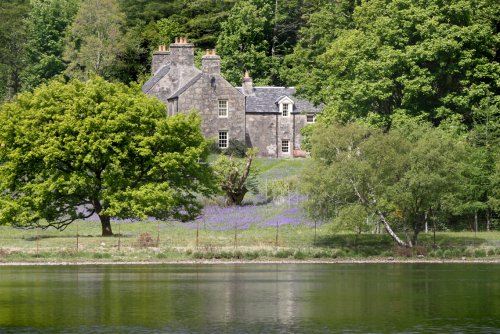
{"x": 155, "y": 78}
{"x": 186, "y": 86}
{"x": 264, "y": 100}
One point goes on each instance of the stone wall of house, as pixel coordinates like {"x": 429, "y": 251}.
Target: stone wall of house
{"x": 204, "y": 96}
{"x": 300, "y": 122}
{"x": 261, "y": 133}
{"x": 285, "y": 132}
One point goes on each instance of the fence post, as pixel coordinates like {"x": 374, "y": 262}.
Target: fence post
{"x": 119, "y": 237}
{"x": 37, "y": 241}
{"x": 77, "y": 237}
{"x": 158, "y": 235}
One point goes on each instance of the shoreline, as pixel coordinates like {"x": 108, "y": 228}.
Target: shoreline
{"x": 246, "y": 262}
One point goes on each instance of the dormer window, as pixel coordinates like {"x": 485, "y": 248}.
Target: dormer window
{"x": 286, "y": 106}
{"x": 284, "y": 110}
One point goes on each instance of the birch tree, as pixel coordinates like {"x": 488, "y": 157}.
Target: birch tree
{"x": 95, "y": 39}
{"x": 401, "y": 177}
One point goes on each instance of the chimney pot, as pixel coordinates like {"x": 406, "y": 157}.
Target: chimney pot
{"x": 213, "y": 52}
{"x": 247, "y": 84}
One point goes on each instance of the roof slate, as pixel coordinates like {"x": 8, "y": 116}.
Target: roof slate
{"x": 186, "y": 86}
{"x": 155, "y": 78}
{"x": 264, "y": 101}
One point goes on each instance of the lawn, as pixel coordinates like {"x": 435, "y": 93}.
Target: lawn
{"x": 260, "y": 229}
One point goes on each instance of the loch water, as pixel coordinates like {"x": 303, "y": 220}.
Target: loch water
{"x": 251, "y": 298}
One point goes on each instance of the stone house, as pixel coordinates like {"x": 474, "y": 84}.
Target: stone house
{"x": 269, "y": 118}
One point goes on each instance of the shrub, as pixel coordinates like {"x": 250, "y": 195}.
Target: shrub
{"x": 436, "y": 253}
{"x": 145, "y": 240}
{"x": 283, "y": 254}
{"x": 420, "y": 250}
{"x": 235, "y": 149}
{"x": 277, "y": 189}
{"x": 299, "y": 255}
{"x": 4, "y": 252}
{"x": 338, "y": 253}
{"x": 387, "y": 254}
{"x": 251, "y": 255}
{"x": 448, "y": 254}
{"x": 457, "y": 252}
{"x": 161, "y": 256}
{"x": 101, "y": 255}
{"x": 403, "y": 251}
{"x": 480, "y": 253}
{"x": 490, "y": 251}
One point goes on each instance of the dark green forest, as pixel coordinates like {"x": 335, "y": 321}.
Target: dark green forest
{"x": 393, "y": 67}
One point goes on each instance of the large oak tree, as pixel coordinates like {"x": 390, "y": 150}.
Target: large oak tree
{"x": 68, "y": 151}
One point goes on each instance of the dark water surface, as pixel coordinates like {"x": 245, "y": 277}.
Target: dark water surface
{"x": 251, "y": 298}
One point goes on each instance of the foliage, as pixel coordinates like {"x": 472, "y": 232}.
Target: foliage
{"x": 71, "y": 150}
{"x": 47, "y": 23}
{"x": 351, "y": 217}
{"x": 234, "y": 176}
{"x": 325, "y": 21}
{"x": 242, "y": 45}
{"x": 402, "y": 177}
{"x": 12, "y": 46}
{"x": 236, "y": 149}
{"x": 95, "y": 39}
{"x": 281, "y": 188}
{"x": 429, "y": 59}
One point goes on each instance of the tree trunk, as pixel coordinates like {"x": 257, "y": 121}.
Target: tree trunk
{"x": 426, "y": 223}
{"x": 488, "y": 223}
{"x": 475, "y": 221}
{"x": 235, "y": 198}
{"x": 390, "y": 231}
{"x": 106, "y": 225}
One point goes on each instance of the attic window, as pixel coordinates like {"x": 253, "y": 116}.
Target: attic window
{"x": 286, "y": 105}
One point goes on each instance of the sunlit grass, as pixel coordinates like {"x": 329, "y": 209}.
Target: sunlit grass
{"x": 258, "y": 230}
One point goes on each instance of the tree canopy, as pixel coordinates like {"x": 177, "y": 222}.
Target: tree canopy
{"x": 429, "y": 59}
{"x": 68, "y": 151}
{"x": 403, "y": 177}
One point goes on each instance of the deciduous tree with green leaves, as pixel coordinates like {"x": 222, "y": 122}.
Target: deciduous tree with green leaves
{"x": 403, "y": 177}
{"x": 432, "y": 59}
{"x": 12, "y": 46}
{"x": 242, "y": 44}
{"x": 234, "y": 177}
{"x": 95, "y": 39}
{"x": 47, "y": 24}
{"x": 68, "y": 151}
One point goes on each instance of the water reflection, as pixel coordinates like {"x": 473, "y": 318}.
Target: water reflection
{"x": 250, "y": 298}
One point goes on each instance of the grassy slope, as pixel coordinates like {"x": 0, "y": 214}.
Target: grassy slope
{"x": 263, "y": 230}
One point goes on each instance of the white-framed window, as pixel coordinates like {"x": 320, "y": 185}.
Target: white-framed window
{"x": 285, "y": 146}
{"x": 311, "y": 118}
{"x": 223, "y": 108}
{"x": 223, "y": 139}
{"x": 285, "y": 109}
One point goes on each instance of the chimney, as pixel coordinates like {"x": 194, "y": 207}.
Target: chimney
{"x": 210, "y": 62}
{"x": 161, "y": 57}
{"x": 247, "y": 85}
{"x": 182, "y": 52}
